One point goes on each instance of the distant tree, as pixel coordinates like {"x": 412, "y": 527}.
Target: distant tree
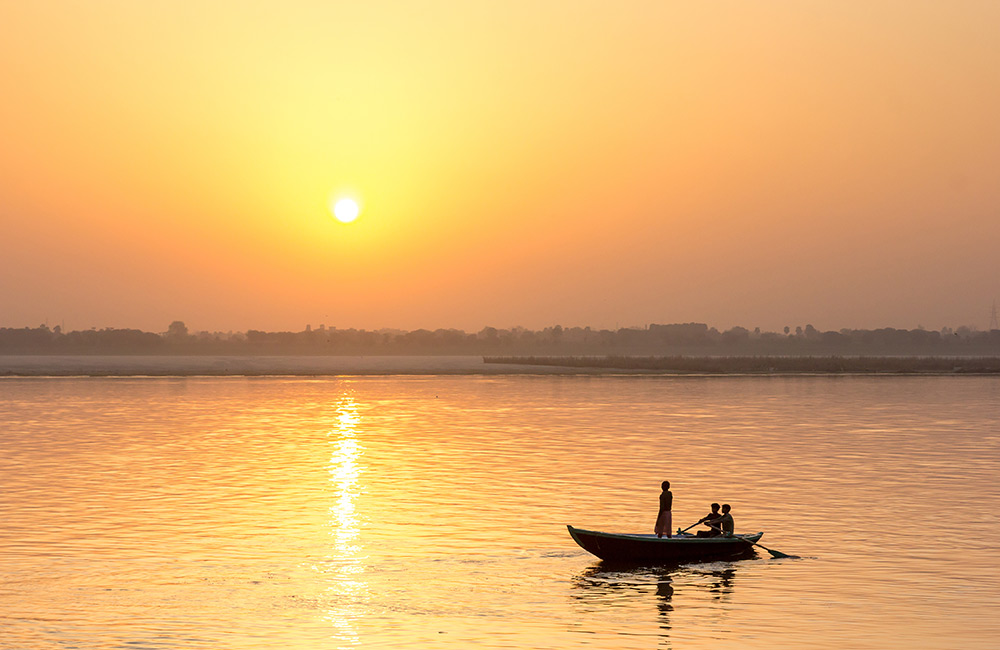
{"x": 787, "y": 330}
{"x": 177, "y": 330}
{"x": 735, "y": 335}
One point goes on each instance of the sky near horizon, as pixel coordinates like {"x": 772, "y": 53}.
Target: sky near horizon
{"x": 519, "y": 163}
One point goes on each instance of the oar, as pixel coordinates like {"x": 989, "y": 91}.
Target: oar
{"x": 679, "y": 531}
{"x": 775, "y": 554}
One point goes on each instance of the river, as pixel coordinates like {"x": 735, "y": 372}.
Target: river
{"x": 429, "y": 511}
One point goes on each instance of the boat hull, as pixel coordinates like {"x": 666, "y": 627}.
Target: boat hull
{"x": 650, "y": 550}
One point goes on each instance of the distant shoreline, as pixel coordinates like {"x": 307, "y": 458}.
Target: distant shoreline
{"x": 14, "y": 366}
{"x": 678, "y": 339}
{"x": 241, "y": 366}
{"x": 769, "y": 364}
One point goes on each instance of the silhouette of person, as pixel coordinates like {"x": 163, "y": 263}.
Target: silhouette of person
{"x": 724, "y": 524}
{"x": 664, "y": 518}
{"x": 708, "y": 520}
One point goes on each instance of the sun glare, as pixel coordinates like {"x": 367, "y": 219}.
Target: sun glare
{"x": 345, "y": 210}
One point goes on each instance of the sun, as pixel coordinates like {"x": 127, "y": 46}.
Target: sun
{"x": 345, "y": 210}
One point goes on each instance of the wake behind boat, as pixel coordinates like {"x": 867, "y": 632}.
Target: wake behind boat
{"x": 649, "y": 549}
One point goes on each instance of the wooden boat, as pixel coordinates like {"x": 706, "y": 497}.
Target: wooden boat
{"x": 650, "y": 549}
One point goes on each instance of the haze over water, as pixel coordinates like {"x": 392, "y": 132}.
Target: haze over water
{"x": 430, "y": 511}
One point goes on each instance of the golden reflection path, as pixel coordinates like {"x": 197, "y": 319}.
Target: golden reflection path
{"x": 344, "y": 568}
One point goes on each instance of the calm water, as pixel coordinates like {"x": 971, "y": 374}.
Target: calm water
{"x": 430, "y": 511}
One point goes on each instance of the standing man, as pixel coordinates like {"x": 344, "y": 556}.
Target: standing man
{"x": 664, "y": 518}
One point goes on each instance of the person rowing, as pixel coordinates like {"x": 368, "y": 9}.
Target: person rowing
{"x": 724, "y": 524}
{"x": 708, "y": 520}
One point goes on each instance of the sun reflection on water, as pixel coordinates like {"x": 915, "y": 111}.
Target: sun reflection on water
{"x": 344, "y": 568}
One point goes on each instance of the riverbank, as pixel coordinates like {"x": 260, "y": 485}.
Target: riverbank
{"x": 322, "y": 366}
{"x": 766, "y": 365}
{"x": 251, "y": 366}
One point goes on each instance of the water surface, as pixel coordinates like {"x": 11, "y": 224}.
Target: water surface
{"x": 430, "y": 511}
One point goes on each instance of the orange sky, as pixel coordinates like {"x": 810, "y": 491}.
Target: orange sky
{"x": 518, "y": 163}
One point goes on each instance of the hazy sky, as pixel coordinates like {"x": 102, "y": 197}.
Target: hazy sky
{"x": 517, "y": 163}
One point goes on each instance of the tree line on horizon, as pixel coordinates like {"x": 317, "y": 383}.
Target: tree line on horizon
{"x": 674, "y": 339}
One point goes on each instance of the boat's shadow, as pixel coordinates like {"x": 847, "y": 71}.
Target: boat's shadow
{"x": 615, "y": 584}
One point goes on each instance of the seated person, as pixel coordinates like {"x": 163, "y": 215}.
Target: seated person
{"x": 708, "y": 520}
{"x": 724, "y": 524}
